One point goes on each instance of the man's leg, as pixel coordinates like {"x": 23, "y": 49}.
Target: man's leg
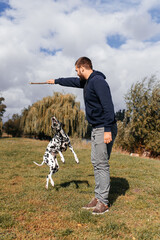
{"x": 99, "y": 158}
{"x": 100, "y": 155}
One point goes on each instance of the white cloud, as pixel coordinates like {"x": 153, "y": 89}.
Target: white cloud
{"x": 15, "y": 101}
{"x": 32, "y": 29}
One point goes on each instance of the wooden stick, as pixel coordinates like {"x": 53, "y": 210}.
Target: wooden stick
{"x": 38, "y": 83}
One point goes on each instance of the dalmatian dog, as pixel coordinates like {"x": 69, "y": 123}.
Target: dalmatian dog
{"x": 58, "y": 144}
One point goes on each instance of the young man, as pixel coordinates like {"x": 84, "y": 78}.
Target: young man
{"x": 100, "y": 114}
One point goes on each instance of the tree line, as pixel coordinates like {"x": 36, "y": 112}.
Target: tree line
{"x": 35, "y": 121}
{"x": 139, "y": 131}
{"x": 138, "y": 124}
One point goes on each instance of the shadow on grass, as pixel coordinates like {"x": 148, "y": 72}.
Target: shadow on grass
{"x": 67, "y": 184}
{"x": 118, "y": 187}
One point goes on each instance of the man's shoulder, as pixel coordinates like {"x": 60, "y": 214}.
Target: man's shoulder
{"x": 98, "y": 78}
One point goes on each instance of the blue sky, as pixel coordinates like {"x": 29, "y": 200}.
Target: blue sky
{"x": 116, "y": 40}
{"x": 41, "y": 39}
{"x": 3, "y": 6}
{"x": 155, "y": 14}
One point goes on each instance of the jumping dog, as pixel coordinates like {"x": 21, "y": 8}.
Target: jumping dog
{"x": 58, "y": 144}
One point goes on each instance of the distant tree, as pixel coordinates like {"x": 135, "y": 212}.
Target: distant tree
{"x": 140, "y": 130}
{"x": 2, "y": 107}
{"x": 36, "y": 121}
{"x": 24, "y": 115}
{"x": 2, "y": 110}
{"x": 12, "y": 126}
{"x": 120, "y": 115}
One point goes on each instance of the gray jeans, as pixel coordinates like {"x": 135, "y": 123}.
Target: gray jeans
{"x": 100, "y": 155}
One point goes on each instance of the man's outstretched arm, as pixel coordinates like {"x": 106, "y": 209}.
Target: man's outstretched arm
{"x": 68, "y": 82}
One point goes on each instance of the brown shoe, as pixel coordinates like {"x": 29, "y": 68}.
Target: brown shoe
{"x": 91, "y": 204}
{"x": 100, "y": 208}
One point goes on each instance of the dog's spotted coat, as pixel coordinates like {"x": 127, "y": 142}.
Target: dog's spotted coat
{"x": 58, "y": 144}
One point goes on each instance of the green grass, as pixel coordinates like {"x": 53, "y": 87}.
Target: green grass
{"x": 29, "y": 211}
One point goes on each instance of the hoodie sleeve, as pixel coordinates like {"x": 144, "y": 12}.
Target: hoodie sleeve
{"x": 70, "y": 82}
{"x": 102, "y": 90}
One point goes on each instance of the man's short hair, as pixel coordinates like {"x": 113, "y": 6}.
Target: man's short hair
{"x": 85, "y": 62}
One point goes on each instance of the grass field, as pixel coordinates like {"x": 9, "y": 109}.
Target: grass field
{"x": 29, "y": 211}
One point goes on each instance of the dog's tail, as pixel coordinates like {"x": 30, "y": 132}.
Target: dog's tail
{"x": 39, "y": 164}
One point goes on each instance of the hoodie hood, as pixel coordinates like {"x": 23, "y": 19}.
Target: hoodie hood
{"x": 97, "y": 73}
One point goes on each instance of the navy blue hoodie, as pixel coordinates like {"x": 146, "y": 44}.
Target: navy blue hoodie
{"x": 97, "y": 96}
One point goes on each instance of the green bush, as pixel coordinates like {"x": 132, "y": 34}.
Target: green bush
{"x": 140, "y": 129}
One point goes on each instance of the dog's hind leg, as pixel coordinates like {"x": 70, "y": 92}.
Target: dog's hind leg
{"x": 47, "y": 181}
{"x": 49, "y": 177}
{"x": 53, "y": 169}
{"x": 75, "y": 155}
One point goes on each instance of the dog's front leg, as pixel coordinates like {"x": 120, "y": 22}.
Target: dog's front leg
{"x": 75, "y": 156}
{"x": 62, "y": 158}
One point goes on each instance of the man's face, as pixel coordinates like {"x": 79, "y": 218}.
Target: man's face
{"x": 80, "y": 72}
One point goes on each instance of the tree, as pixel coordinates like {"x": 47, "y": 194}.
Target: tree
{"x": 36, "y": 121}
{"x": 12, "y": 126}
{"x": 141, "y": 126}
{"x": 120, "y": 115}
{"x": 2, "y": 110}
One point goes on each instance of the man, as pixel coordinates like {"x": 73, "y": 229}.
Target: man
{"x": 100, "y": 114}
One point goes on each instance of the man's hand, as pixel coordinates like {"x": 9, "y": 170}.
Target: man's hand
{"x": 107, "y": 137}
{"x": 51, "y": 81}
